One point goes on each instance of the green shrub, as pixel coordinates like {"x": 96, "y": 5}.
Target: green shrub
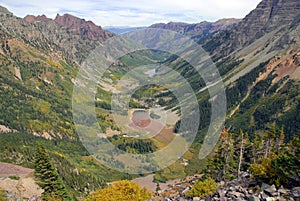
{"x": 203, "y": 188}
{"x": 263, "y": 171}
{"x": 14, "y": 177}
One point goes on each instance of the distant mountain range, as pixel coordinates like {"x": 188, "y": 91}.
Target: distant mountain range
{"x": 121, "y": 30}
{"x": 202, "y": 29}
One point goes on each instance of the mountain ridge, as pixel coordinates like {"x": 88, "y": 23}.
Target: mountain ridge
{"x": 201, "y": 29}
{"x": 82, "y": 27}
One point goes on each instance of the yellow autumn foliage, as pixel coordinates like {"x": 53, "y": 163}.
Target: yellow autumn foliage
{"x": 121, "y": 191}
{"x": 202, "y": 188}
{"x": 52, "y": 63}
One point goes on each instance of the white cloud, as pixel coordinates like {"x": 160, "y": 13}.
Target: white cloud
{"x": 135, "y": 12}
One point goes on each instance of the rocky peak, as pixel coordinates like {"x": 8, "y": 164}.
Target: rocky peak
{"x": 4, "y": 10}
{"x": 32, "y": 18}
{"x": 82, "y": 27}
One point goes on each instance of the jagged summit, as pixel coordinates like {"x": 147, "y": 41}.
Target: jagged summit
{"x": 77, "y": 25}
{"x": 32, "y": 18}
{"x": 83, "y": 27}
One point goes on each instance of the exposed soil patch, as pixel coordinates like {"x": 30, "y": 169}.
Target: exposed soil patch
{"x": 24, "y": 185}
{"x": 7, "y": 169}
{"x": 149, "y": 184}
{"x": 289, "y": 67}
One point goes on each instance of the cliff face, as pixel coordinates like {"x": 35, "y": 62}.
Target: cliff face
{"x": 82, "y": 27}
{"x": 74, "y": 24}
{"x": 267, "y": 17}
{"x": 278, "y": 18}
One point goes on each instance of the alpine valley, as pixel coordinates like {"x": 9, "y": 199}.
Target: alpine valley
{"x": 258, "y": 153}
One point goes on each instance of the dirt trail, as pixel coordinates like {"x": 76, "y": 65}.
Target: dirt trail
{"x": 147, "y": 182}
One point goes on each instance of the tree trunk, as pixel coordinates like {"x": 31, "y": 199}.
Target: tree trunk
{"x": 241, "y": 156}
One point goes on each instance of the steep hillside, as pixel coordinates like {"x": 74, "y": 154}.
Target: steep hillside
{"x": 49, "y": 36}
{"x": 267, "y": 42}
{"x": 258, "y": 60}
{"x": 39, "y": 61}
{"x": 267, "y": 38}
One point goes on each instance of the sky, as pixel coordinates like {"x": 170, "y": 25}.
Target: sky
{"x": 135, "y": 13}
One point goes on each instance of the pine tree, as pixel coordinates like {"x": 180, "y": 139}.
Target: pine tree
{"x": 223, "y": 165}
{"x": 269, "y": 140}
{"x": 288, "y": 162}
{"x": 256, "y": 149}
{"x": 48, "y": 178}
{"x": 157, "y": 187}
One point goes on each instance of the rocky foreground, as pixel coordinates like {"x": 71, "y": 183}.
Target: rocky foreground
{"x": 235, "y": 190}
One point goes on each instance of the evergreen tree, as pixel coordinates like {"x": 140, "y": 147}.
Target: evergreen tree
{"x": 256, "y": 148}
{"x": 270, "y": 140}
{"x": 157, "y": 187}
{"x": 48, "y": 178}
{"x": 223, "y": 165}
{"x": 288, "y": 162}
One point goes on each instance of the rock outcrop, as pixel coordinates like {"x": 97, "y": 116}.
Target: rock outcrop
{"x": 240, "y": 190}
{"x": 76, "y": 25}
{"x": 4, "y": 10}
{"x": 47, "y": 35}
{"x": 82, "y": 27}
